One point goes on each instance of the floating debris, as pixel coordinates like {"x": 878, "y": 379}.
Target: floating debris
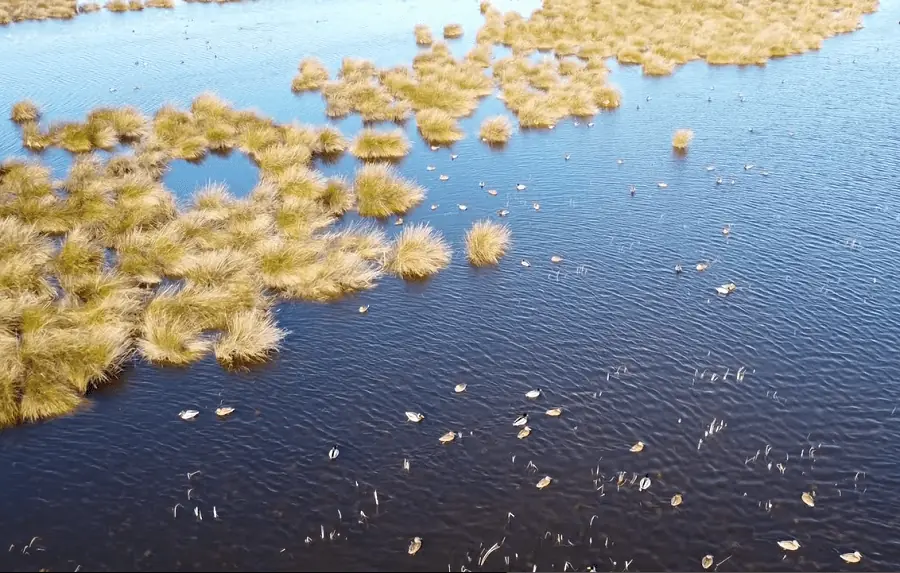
{"x": 524, "y": 433}
{"x": 415, "y": 545}
{"x": 532, "y": 394}
{"x": 556, "y": 259}
{"x": 545, "y": 481}
{"x": 638, "y": 447}
{"x": 363, "y": 309}
{"x": 521, "y": 420}
{"x": 460, "y": 388}
{"x": 554, "y": 412}
{"x": 414, "y": 417}
{"x": 188, "y": 414}
{"x": 854, "y": 557}
{"x": 223, "y": 411}
{"x": 726, "y": 289}
{"x": 447, "y": 438}
{"x": 789, "y": 545}
{"x": 707, "y": 561}
{"x": 525, "y": 263}
{"x": 444, "y": 177}
{"x": 677, "y": 500}
{"x": 333, "y": 453}
{"x": 808, "y": 499}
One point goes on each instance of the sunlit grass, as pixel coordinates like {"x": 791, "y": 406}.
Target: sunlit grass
{"x": 682, "y": 139}
{"x": 250, "y": 336}
{"x": 159, "y": 3}
{"x": 374, "y": 144}
{"x": 452, "y": 31}
{"x": 171, "y": 339}
{"x": 24, "y": 111}
{"x": 33, "y": 138}
{"x": 438, "y": 127}
{"x": 311, "y": 76}
{"x": 496, "y": 129}
{"x": 329, "y": 141}
{"x": 117, "y": 6}
{"x": 382, "y": 192}
{"x": 487, "y": 242}
{"x": 423, "y": 35}
{"x": 417, "y": 252}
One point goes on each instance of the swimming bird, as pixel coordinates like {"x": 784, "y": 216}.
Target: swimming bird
{"x": 434, "y": 206}
{"x": 223, "y": 411}
{"x": 430, "y": 168}
{"x": 648, "y": 98}
{"x": 414, "y": 417}
{"x": 406, "y": 464}
{"x": 545, "y": 481}
{"x": 415, "y": 545}
{"x": 707, "y": 561}
{"x": 481, "y": 184}
{"x": 503, "y": 212}
{"x": 748, "y": 167}
{"x": 364, "y": 309}
{"x": 444, "y": 177}
{"x": 718, "y": 181}
{"x": 520, "y": 187}
{"x": 525, "y": 263}
{"x": 789, "y": 545}
{"x": 710, "y": 167}
{"x": 620, "y": 161}
{"x": 536, "y": 205}
{"x": 521, "y": 420}
{"x": 460, "y": 388}
{"x": 726, "y": 289}
{"x": 434, "y": 147}
{"x": 188, "y": 414}
{"x": 215, "y": 513}
{"x": 632, "y": 190}
{"x": 556, "y": 259}
{"x": 462, "y": 207}
{"x": 447, "y": 438}
{"x": 662, "y": 185}
{"x": 524, "y": 433}
{"x": 645, "y": 483}
{"x": 453, "y": 156}
{"x": 554, "y": 412}
{"x": 333, "y": 453}
{"x": 566, "y": 157}
{"x": 808, "y": 499}
{"x": 726, "y": 230}
{"x": 678, "y": 269}
{"x": 702, "y": 267}
{"x": 492, "y": 192}
{"x": 591, "y": 124}
{"x": 399, "y": 221}
{"x": 854, "y": 557}
{"x": 676, "y": 500}
{"x": 638, "y": 447}
{"x": 532, "y": 394}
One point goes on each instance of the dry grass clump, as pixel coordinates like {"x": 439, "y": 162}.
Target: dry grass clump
{"x": 381, "y": 192}
{"x": 373, "y": 144}
{"x": 25, "y": 111}
{"x": 496, "y": 129}
{"x": 21, "y": 10}
{"x": 487, "y": 242}
{"x": 417, "y": 252}
{"x": 33, "y": 138}
{"x": 423, "y": 35}
{"x": 159, "y": 3}
{"x": 249, "y": 337}
{"x": 329, "y": 141}
{"x": 682, "y": 139}
{"x": 312, "y": 76}
{"x": 452, "y": 31}
{"x": 438, "y": 127}
{"x": 118, "y": 6}
{"x": 89, "y": 7}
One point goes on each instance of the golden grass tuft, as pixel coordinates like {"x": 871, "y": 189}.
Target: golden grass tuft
{"x": 25, "y": 111}
{"x": 168, "y": 339}
{"x": 438, "y": 127}
{"x": 329, "y": 141}
{"x": 417, "y": 252}
{"x": 279, "y": 157}
{"x": 159, "y": 3}
{"x": 89, "y": 7}
{"x": 496, "y": 129}
{"x": 381, "y": 192}
{"x": 250, "y": 337}
{"x": 423, "y": 35}
{"x": 682, "y": 139}
{"x": 487, "y": 242}
{"x": 33, "y": 138}
{"x": 311, "y": 76}
{"x": 117, "y": 6}
{"x": 373, "y": 144}
{"x": 453, "y": 31}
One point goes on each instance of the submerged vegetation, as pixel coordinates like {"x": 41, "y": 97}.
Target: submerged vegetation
{"x": 682, "y": 139}
{"x": 487, "y": 242}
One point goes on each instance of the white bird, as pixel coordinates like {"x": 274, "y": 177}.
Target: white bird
{"x": 434, "y": 206}
{"x": 520, "y": 187}
{"x": 748, "y": 167}
{"x": 556, "y": 259}
{"x": 444, "y": 177}
{"x": 662, "y": 185}
{"x": 481, "y": 184}
{"x": 638, "y": 447}
{"x": 399, "y": 221}
{"x": 524, "y": 433}
{"x": 414, "y": 417}
{"x": 545, "y": 481}
{"x": 532, "y": 394}
{"x": 447, "y": 438}
{"x": 492, "y": 192}
{"x": 808, "y": 499}
{"x": 459, "y": 388}
{"x": 536, "y": 205}
{"x": 453, "y": 156}
{"x": 364, "y": 309}
{"x": 434, "y": 147}
{"x": 198, "y": 514}
{"x": 223, "y": 411}
{"x": 645, "y": 483}
{"x": 710, "y": 167}
{"x": 566, "y": 157}
{"x": 188, "y": 414}
{"x": 854, "y": 557}
{"x": 430, "y": 168}
{"x": 554, "y": 412}
{"x": 702, "y": 267}
{"x": 503, "y": 212}
{"x": 525, "y": 263}
{"x": 521, "y": 420}
{"x": 591, "y": 124}
{"x": 789, "y": 545}
{"x": 726, "y": 289}
{"x": 406, "y": 464}
{"x": 462, "y": 207}
{"x": 215, "y": 513}
{"x": 620, "y": 161}
{"x": 415, "y": 545}
{"x": 333, "y": 453}
{"x": 707, "y": 561}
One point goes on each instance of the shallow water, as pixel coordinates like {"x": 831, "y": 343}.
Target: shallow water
{"x": 815, "y": 319}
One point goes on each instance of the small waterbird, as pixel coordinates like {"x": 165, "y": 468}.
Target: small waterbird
{"x": 554, "y": 412}
{"x": 525, "y": 263}
{"x": 638, "y": 447}
{"x": 414, "y": 417}
{"x": 532, "y": 394}
{"x": 520, "y": 187}
{"x": 444, "y": 177}
{"x": 459, "y": 388}
{"x": 415, "y": 545}
{"x": 333, "y": 453}
{"x": 223, "y": 411}
{"x": 447, "y": 438}
{"x": 363, "y": 309}
{"x": 188, "y": 414}
{"x": 524, "y": 433}
{"x": 521, "y": 420}
{"x": 556, "y": 259}
{"x": 545, "y": 481}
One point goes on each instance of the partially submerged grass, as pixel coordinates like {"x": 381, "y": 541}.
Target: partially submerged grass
{"x": 373, "y": 144}
{"x": 423, "y": 35}
{"x": 487, "y": 242}
{"x": 117, "y": 6}
{"x": 250, "y": 337}
{"x": 417, "y": 252}
{"x": 159, "y": 3}
{"x": 682, "y": 139}
{"x": 381, "y": 192}
{"x": 496, "y": 129}
{"x": 311, "y": 76}
{"x": 24, "y": 111}
{"x": 168, "y": 339}
{"x": 438, "y": 127}
{"x": 452, "y": 31}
